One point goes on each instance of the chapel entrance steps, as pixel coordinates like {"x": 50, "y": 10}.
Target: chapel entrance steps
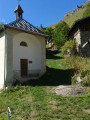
{"x": 28, "y": 78}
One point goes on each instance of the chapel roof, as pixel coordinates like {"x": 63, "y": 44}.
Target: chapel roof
{"x": 24, "y": 25}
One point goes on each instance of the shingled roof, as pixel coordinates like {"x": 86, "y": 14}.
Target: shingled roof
{"x": 77, "y": 22}
{"x": 24, "y": 25}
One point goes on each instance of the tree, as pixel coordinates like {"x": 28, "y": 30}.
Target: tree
{"x": 1, "y": 24}
{"x": 48, "y": 31}
{"x": 60, "y": 34}
{"x": 87, "y": 11}
{"x": 41, "y": 28}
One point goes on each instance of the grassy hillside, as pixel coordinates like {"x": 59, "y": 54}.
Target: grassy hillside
{"x": 70, "y": 19}
{"x": 37, "y": 100}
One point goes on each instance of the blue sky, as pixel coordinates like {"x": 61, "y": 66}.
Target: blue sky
{"x": 45, "y": 12}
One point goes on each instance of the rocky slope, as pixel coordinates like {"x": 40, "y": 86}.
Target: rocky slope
{"x": 73, "y": 15}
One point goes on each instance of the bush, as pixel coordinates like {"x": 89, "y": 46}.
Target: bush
{"x": 16, "y": 82}
{"x": 69, "y": 47}
{"x": 14, "y": 89}
{"x": 88, "y": 90}
{"x": 86, "y": 81}
{"x": 81, "y": 68}
{"x": 74, "y": 79}
{"x": 1, "y": 24}
{"x": 84, "y": 72}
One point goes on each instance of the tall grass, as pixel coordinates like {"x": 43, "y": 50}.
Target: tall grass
{"x": 81, "y": 68}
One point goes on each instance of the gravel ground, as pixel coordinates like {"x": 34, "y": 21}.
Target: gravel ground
{"x": 70, "y": 90}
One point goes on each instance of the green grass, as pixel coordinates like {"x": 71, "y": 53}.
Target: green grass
{"x": 37, "y": 101}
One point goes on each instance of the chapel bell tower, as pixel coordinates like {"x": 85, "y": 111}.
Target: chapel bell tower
{"x": 18, "y": 12}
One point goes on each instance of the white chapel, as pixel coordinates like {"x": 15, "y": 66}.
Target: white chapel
{"x": 22, "y": 51}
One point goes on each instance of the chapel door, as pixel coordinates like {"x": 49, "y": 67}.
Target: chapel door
{"x": 24, "y": 67}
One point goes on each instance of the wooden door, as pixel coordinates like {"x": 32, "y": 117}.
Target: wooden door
{"x": 24, "y": 67}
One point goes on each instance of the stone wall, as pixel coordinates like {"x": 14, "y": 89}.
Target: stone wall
{"x": 85, "y": 36}
{"x": 81, "y": 38}
{"x": 77, "y": 37}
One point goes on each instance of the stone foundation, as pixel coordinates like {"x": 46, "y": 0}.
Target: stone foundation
{"x": 32, "y": 74}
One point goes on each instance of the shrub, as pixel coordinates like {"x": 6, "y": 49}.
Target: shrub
{"x": 74, "y": 79}
{"x": 69, "y": 47}
{"x": 84, "y": 72}
{"x": 86, "y": 81}
{"x": 14, "y": 89}
{"x": 88, "y": 90}
{"x": 81, "y": 68}
{"x": 1, "y": 24}
{"x": 16, "y": 82}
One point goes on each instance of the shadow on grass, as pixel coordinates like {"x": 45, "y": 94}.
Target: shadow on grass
{"x": 50, "y": 54}
{"x": 53, "y": 77}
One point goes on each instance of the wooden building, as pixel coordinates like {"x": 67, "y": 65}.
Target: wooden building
{"x": 80, "y": 31}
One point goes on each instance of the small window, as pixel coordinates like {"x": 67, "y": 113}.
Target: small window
{"x": 23, "y": 44}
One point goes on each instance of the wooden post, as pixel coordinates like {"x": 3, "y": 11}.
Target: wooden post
{"x": 9, "y": 113}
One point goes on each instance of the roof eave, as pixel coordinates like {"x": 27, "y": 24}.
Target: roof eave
{"x": 72, "y": 27}
{"x": 26, "y": 31}
{"x": 2, "y": 28}
{"x": 76, "y": 22}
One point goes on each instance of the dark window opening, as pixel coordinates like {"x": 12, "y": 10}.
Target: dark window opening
{"x": 89, "y": 41}
{"x": 23, "y": 44}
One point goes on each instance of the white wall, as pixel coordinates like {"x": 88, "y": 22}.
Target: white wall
{"x": 2, "y": 43}
{"x": 32, "y": 52}
{"x": 77, "y": 37}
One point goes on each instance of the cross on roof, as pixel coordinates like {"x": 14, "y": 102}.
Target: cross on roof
{"x": 19, "y": 1}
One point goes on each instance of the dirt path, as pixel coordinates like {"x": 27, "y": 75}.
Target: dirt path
{"x": 70, "y": 90}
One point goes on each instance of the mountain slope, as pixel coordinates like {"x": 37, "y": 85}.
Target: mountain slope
{"x": 73, "y": 15}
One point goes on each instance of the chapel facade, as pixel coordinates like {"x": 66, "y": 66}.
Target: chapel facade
{"x": 22, "y": 51}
